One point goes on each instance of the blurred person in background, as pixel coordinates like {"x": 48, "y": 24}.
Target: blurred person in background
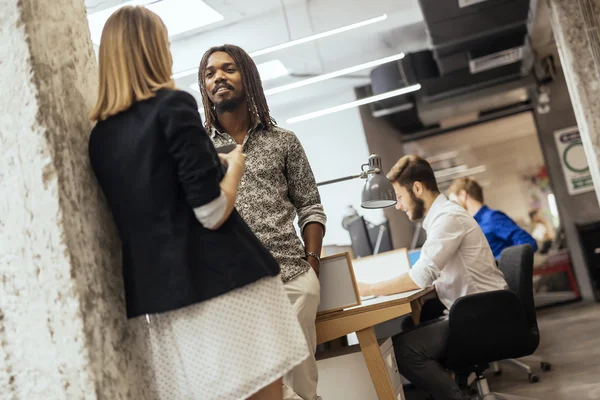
{"x": 543, "y": 231}
{"x": 499, "y": 229}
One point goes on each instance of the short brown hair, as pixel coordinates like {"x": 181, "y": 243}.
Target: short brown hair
{"x": 470, "y": 186}
{"x": 134, "y": 61}
{"x": 411, "y": 169}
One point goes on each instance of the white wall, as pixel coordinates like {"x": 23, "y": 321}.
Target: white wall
{"x": 335, "y": 145}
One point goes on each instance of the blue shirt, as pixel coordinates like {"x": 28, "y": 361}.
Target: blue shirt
{"x": 501, "y": 231}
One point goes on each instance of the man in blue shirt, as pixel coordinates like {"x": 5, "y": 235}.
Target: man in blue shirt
{"x": 501, "y": 231}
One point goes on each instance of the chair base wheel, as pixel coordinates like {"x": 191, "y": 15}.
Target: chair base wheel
{"x": 472, "y": 391}
{"x": 546, "y": 366}
{"x": 498, "y": 373}
{"x": 533, "y": 378}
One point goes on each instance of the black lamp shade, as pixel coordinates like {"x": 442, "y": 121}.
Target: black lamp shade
{"x": 378, "y": 192}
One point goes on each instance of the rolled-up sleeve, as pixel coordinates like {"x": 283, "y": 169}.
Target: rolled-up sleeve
{"x": 191, "y": 148}
{"x": 443, "y": 238}
{"x": 302, "y": 187}
{"x": 210, "y": 214}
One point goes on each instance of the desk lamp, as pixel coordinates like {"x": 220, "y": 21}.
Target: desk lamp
{"x": 378, "y": 191}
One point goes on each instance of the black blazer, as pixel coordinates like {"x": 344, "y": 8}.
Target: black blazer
{"x": 155, "y": 163}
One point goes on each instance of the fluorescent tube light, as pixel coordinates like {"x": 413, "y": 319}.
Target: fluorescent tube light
{"x": 296, "y": 42}
{"x": 178, "y": 15}
{"x": 467, "y": 172}
{"x": 318, "y": 36}
{"x": 275, "y": 71}
{"x": 442, "y": 173}
{"x": 271, "y": 70}
{"x": 334, "y": 74}
{"x": 356, "y": 103}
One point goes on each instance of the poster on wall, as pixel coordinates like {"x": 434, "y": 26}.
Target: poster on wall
{"x": 573, "y": 161}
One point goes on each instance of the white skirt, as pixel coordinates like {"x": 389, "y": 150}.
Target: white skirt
{"x": 226, "y": 348}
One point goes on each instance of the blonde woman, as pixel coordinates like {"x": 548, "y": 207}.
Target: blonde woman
{"x": 220, "y": 324}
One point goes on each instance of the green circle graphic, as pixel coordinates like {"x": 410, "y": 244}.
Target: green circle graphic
{"x": 569, "y": 166}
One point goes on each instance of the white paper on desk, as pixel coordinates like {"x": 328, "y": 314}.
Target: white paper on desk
{"x": 392, "y": 297}
{"x": 381, "y": 267}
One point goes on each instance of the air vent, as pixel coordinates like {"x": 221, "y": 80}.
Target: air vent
{"x": 467, "y": 3}
{"x": 496, "y": 60}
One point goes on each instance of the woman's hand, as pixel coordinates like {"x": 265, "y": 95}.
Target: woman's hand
{"x": 235, "y": 161}
{"x": 234, "y": 158}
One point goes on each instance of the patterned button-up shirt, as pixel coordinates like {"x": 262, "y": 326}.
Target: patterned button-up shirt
{"x": 278, "y": 184}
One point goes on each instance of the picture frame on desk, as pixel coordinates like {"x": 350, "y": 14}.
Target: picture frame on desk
{"x": 339, "y": 288}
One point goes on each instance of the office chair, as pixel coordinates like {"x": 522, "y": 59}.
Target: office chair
{"x": 533, "y": 378}
{"x": 493, "y": 326}
{"x": 544, "y": 365}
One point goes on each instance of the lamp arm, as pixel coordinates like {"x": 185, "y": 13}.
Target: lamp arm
{"x": 346, "y": 178}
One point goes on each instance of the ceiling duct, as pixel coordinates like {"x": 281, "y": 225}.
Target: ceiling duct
{"x": 401, "y": 111}
{"x": 475, "y": 35}
{"x": 478, "y": 66}
{"x": 460, "y": 97}
{"x": 475, "y": 102}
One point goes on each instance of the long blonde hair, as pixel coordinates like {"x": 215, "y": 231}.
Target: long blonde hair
{"x": 134, "y": 61}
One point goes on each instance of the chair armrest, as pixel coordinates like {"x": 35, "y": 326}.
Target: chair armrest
{"x": 487, "y": 327}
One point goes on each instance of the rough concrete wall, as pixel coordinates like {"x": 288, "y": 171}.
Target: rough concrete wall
{"x": 62, "y": 329}
{"x": 573, "y": 210}
{"x": 575, "y": 25}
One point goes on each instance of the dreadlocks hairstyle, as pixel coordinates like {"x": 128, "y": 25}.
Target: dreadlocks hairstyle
{"x": 255, "y": 96}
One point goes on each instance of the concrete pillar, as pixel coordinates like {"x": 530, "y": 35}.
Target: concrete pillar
{"x": 62, "y": 320}
{"x": 573, "y": 210}
{"x": 576, "y": 24}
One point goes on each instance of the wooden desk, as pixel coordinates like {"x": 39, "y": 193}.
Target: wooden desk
{"x": 362, "y": 319}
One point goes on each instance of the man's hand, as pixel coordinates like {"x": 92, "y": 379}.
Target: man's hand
{"x": 313, "y": 239}
{"x": 365, "y": 289}
{"x": 314, "y": 263}
{"x": 400, "y": 284}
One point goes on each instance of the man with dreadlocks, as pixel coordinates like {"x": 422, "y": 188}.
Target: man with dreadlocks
{"x": 278, "y": 184}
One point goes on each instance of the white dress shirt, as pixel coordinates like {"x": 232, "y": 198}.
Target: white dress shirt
{"x": 456, "y": 257}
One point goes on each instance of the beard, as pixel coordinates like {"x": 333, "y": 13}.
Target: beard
{"x": 418, "y": 207}
{"x": 227, "y": 105}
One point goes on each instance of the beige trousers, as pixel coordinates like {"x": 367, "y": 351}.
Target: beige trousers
{"x": 304, "y": 293}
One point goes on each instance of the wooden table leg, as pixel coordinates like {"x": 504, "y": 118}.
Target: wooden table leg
{"x": 416, "y": 306}
{"x": 374, "y": 360}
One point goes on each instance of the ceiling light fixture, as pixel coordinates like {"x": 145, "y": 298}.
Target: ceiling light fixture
{"x": 318, "y": 36}
{"x": 197, "y": 14}
{"x": 275, "y": 71}
{"x": 466, "y": 172}
{"x": 296, "y": 42}
{"x": 271, "y": 70}
{"x": 334, "y": 74}
{"x": 356, "y": 103}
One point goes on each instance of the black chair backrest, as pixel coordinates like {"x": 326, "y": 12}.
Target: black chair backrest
{"x": 517, "y": 265}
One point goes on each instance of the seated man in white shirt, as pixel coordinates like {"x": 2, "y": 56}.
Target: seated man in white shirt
{"x": 456, "y": 258}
